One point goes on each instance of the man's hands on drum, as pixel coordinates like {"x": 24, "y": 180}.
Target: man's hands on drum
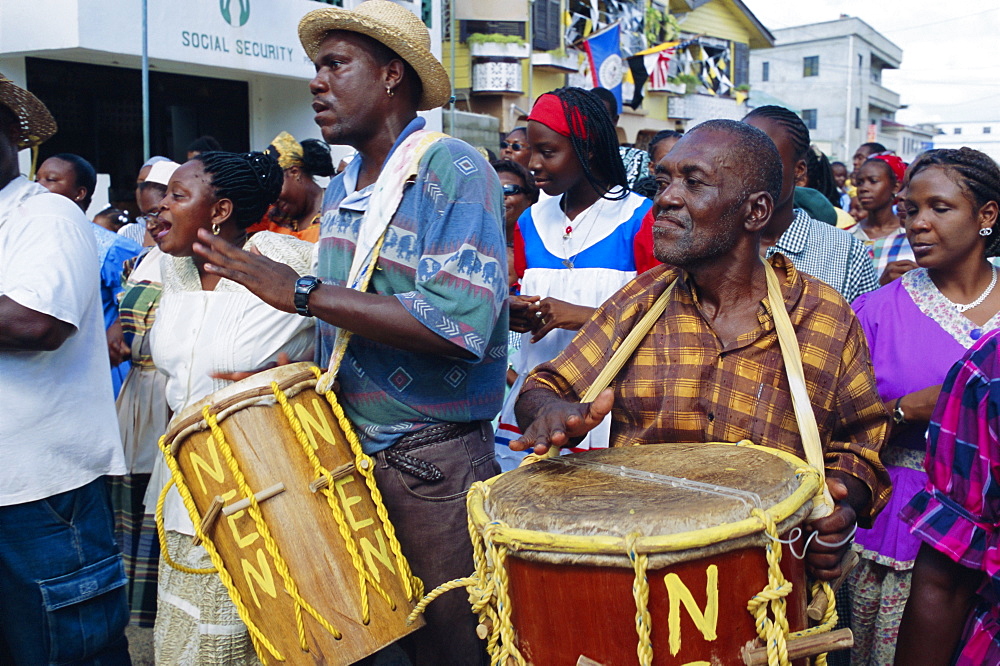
{"x": 824, "y": 561}
{"x": 558, "y": 423}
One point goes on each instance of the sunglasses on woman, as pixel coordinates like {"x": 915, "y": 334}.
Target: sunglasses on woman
{"x": 511, "y": 190}
{"x": 513, "y": 146}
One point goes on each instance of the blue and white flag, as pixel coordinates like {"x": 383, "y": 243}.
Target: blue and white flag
{"x": 604, "y": 53}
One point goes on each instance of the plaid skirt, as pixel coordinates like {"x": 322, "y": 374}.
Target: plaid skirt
{"x": 135, "y": 532}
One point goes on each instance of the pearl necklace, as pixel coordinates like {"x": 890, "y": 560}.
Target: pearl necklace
{"x": 982, "y": 297}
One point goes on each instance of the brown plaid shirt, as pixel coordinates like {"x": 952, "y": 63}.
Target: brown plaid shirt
{"x": 682, "y": 385}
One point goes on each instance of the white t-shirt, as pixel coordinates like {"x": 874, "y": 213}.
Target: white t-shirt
{"x": 228, "y": 329}
{"x": 58, "y": 428}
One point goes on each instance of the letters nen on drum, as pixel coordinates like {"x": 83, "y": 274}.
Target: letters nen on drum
{"x": 255, "y": 565}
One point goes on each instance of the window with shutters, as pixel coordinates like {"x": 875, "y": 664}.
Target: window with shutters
{"x": 741, "y": 64}
{"x": 765, "y": 72}
{"x": 810, "y": 66}
{"x": 809, "y": 118}
{"x": 546, "y": 23}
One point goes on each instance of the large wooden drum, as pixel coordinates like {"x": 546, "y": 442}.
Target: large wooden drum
{"x": 312, "y": 561}
{"x": 646, "y": 554}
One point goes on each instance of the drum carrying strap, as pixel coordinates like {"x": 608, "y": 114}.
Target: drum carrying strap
{"x": 790, "y": 353}
{"x": 386, "y": 196}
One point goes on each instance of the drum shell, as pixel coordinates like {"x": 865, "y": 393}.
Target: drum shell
{"x": 560, "y": 612}
{"x": 566, "y": 531}
{"x": 300, "y": 521}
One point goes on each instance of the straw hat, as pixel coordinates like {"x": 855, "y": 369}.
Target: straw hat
{"x": 396, "y": 27}
{"x": 37, "y": 124}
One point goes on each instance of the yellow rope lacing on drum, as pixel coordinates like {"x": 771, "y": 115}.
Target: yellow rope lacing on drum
{"x": 161, "y": 535}
{"x": 259, "y": 640}
{"x": 773, "y": 630}
{"x": 364, "y": 576}
{"x": 269, "y": 544}
{"x": 640, "y": 592}
{"x": 487, "y": 588}
{"x": 412, "y": 585}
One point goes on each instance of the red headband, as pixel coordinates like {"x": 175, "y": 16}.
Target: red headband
{"x": 550, "y": 111}
{"x": 897, "y": 165}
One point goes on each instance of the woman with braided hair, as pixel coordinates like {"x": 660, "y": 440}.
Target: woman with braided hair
{"x": 297, "y": 210}
{"x": 208, "y": 332}
{"x": 574, "y": 249}
{"x": 917, "y": 327}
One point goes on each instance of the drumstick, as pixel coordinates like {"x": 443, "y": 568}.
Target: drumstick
{"x": 798, "y": 648}
{"x": 817, "y": 609}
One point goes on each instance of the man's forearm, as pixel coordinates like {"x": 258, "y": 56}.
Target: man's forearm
{"x": 24, "y": 329}
{"x": 859, "y": 496}
{"x": 379, "y": 318}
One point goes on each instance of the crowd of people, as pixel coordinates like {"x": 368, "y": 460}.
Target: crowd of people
{"x": 469, "y": 305}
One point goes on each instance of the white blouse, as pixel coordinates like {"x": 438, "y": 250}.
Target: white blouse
{"x": 199, "y": 332}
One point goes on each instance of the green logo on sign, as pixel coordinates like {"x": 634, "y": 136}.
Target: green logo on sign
{"x": 233, "y": 19}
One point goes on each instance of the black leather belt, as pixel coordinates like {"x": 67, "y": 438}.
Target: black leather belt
{"x": 396, "y": 455}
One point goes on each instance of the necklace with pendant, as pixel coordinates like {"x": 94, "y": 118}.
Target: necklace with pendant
{"x": 593, "y": 214}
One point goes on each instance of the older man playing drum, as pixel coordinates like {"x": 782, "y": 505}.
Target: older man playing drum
{"x": 710, "y": 369}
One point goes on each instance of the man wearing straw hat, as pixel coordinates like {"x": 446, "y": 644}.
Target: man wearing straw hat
{"x": 710, "y": 365}
{"x": 423, "y": 373}
{"x": 62, "y": 585}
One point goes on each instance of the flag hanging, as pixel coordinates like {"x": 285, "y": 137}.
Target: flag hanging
{"x": 653, "y": 65}
{"x": 604, "y": 55}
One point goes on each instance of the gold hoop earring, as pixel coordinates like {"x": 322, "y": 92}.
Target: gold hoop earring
{"x": 388, "y": 91}
{"x": 216, "y": 229}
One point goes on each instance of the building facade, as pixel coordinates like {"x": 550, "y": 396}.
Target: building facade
{"x": 498, "y": 71}
{"x": 831, "y": 73}
{"x": 232, "y": 69}
{"x": 981, "y": 135}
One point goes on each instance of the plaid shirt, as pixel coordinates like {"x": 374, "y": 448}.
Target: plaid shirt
{"x": 958, "y": 512}
{"x": 683, "y": 385}
{"x": 829, "y": 254}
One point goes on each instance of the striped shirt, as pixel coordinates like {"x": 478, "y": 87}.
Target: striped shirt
{"x": 829, "y": 254}
{"x": 958, "y": 512}
{"x": 683, "y": 385}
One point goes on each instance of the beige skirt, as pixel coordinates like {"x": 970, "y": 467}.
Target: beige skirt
{"x": 196, "y": 622}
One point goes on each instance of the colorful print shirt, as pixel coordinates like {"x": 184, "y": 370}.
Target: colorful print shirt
{"x": 958, "y": 512}
{"x": 445, "y": 259}
{"x": 683, "y": 385}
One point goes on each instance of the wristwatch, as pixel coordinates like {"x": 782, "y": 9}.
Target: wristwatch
{"x": 898, "y": 417}
{"x": 303, "y": 287}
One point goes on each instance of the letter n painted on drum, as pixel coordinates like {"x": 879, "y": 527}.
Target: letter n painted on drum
{"x": 313, "y": 424}
{"x": 214, "y": 470}
{"x": 262, "y": 574}
{"x": 382, "y": 554}
{"x": 707, "y": 621}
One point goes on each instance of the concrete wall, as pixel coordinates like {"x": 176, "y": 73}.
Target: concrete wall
{"x": 840, "y": 88}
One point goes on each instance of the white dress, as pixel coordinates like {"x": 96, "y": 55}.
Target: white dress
{"x": 586, "y": 269}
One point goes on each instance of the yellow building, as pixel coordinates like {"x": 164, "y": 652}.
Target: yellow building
{"x": 497, "y": 73}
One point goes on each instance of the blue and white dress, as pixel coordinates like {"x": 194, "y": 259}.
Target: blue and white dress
{"x": 585, "y": 268}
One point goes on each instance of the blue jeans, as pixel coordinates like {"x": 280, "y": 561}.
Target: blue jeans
{"x": 62, "y": 583}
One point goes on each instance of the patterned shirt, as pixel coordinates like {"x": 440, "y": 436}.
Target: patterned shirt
{"x": 683, "y": 385}
{"x": 445, "y": 259}
{"x": 636, "y": 163}
{"x": 829, "y": 254}
{"x": 958, "y": 512}
{"x": 884, "y": 250}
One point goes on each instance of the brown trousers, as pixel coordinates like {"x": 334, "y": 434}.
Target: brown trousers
{"x": 430, "y": 521}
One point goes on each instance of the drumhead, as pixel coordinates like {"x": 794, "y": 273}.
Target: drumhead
{"x": 255, "y": 389}
{"x": 665, "y": 493}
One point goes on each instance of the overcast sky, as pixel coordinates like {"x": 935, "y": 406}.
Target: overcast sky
{"x": 951, "y": 50}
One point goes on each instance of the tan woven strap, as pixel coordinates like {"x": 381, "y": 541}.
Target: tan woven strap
{"x": 790, "y": 353}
